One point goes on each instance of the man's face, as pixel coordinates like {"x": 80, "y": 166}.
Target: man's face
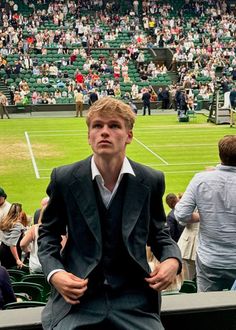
{"x": 2, "y": 200}
{"x": 108, "y": 136}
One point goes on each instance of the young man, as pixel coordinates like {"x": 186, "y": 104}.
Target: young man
{"x": 213, "y": 193}
{"x": 111, "y": 209}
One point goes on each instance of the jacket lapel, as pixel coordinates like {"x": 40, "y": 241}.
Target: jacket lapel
{"x": 83, "y": 191}
{"x": 135, "y": 197}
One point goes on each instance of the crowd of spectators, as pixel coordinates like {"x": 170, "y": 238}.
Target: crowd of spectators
{"x": 200, "y": 34}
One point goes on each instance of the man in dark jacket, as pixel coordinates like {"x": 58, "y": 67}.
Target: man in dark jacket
{"x": 111, "y": 209}
{"x": 146, "y": 102}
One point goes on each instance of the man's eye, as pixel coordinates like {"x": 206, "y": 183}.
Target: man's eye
{"x": 97, "y": 126}
{"x": 115, "y": 126}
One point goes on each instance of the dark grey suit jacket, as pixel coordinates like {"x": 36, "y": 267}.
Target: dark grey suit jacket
{"x": 72, "y": 208}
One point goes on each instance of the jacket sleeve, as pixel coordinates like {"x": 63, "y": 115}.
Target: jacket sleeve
{"x": 53, "y": 226}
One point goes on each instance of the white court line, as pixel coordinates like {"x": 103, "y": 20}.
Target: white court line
{"x": 183, "y": 145}
{"x": 176, "y": 172}
{"x": 184, "y": 164}
{"x": 59, "y": 130}
{"x": 64, "y": 135}
{"x": 152, "y": 152}
{"x": 32, "y": 156}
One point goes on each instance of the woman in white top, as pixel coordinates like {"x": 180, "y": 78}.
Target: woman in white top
{"x": 29, "y": 243}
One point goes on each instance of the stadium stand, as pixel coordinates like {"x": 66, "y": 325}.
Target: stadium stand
{"x": 50, "y": 41}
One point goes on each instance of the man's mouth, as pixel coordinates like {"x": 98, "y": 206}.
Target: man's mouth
{"x": 104, "y": 142}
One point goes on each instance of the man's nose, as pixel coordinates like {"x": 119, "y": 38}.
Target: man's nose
{"x": 105, "y": 130}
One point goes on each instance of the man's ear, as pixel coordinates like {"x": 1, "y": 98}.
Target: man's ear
{"x": 129, "y": 137}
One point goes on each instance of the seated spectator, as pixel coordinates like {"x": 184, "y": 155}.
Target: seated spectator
{"x": 57, "y": 94}
{"x": 117, "y": 91}
{"x": 6, "y": 291}
{"x": 45, "y": 80}
{"x": 134, "y": 91}
{"x": 133, "y": 107}
{"x": 17, "y": 98}
{"x": 51, "y": 99}
{"x": 34, "y": 97}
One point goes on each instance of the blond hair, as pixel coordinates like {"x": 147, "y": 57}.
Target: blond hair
{"x": 108, "y": 107}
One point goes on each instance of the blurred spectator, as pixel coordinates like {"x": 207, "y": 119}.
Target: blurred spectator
{"x": 175, "y": 228}
{"x": 146, "y": 97}
{"x": 6, "y": 291}
{"x": 4, "y": 204}
{"x": 43, "y": 204}
{"x": 3, "y": 104}
{"x": 12, "y": 228}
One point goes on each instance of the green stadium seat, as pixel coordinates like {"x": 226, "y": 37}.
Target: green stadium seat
{"x": 188, "y": 287}
{"x": 16, "y": 274}
{"x": 33, "y": 290}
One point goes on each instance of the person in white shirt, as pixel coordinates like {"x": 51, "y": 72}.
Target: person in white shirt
{"x": 213, "y": 194}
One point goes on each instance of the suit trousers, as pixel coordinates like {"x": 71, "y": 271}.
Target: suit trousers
{"x": 114, "y": 310}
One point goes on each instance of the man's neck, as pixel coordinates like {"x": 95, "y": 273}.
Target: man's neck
{"x": 109, "y": 169}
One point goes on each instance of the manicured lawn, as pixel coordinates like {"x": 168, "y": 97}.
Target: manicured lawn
{"x": 31, "y": 147}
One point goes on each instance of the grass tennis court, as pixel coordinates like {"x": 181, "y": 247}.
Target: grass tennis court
{"x": 31, "y": 147}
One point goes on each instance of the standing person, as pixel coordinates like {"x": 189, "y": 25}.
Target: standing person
{"x": 187, "y": 244}
{"x": 146, "y": 97}
{"x": 12, "y": 228}
{"x": 4, "y": 204}
{"x": 93, "y": 97}
{"x": 213, "y": 194}
{"x": 3, "y": 104}
{"x": 43, "y": 204}
{"x": 111, "y": 208}
{"x": 232, "y": 97}
{"x": 79, "y": 103}
{"x": 175, "y": 228}
{"x": 165, "y": 98}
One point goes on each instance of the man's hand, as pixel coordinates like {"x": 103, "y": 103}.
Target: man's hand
{"x": 163, "y": 275}
{"x": 69, "y": 286}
